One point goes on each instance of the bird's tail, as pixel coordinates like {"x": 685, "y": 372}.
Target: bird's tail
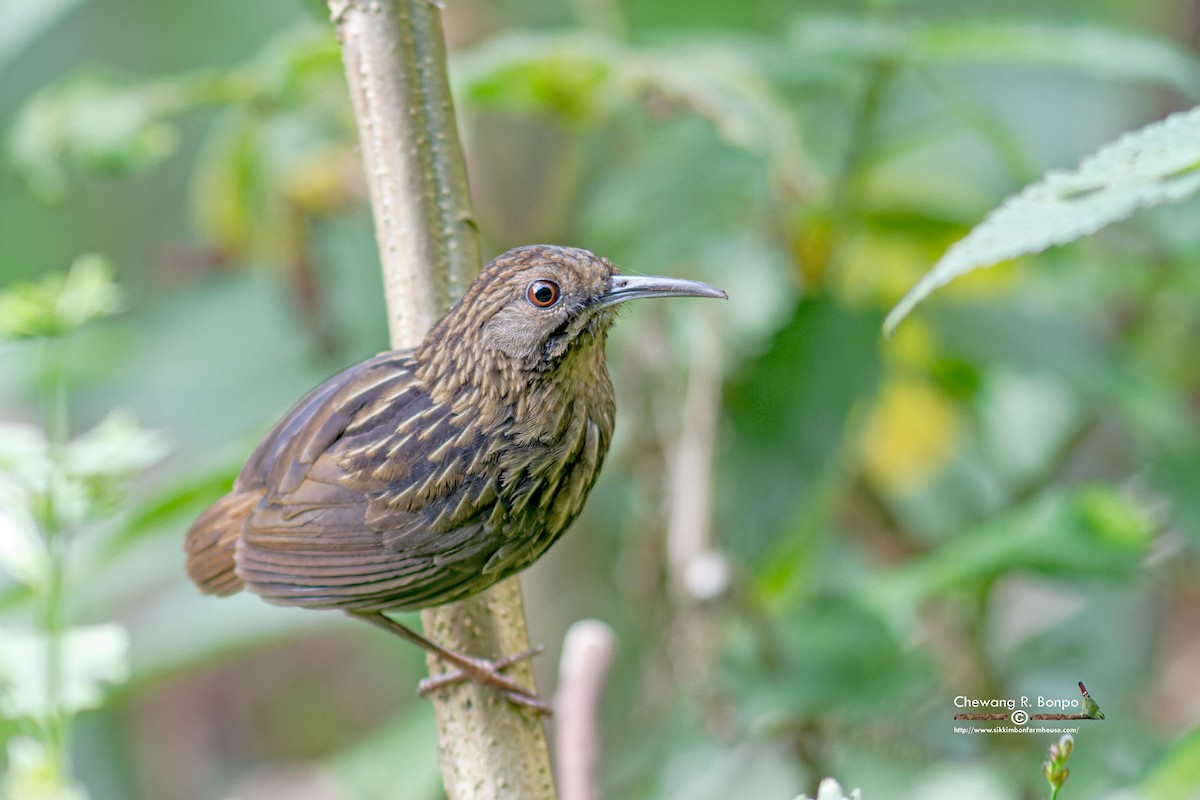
{"x": 211, "y": 541}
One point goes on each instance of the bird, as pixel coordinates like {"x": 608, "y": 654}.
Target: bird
{"x": 425, "y": 475}
{"x": 1090, "y": 708}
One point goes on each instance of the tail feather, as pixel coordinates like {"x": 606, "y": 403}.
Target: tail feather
{"x": 211, "y": 542}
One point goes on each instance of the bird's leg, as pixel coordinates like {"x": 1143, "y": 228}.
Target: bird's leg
{"x": 480, "y": 670}
{"x": 435, "y": 682}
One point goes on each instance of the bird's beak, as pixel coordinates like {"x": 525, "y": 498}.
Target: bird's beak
{"x": 633, "y": 287}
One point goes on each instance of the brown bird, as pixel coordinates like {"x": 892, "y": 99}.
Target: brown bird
{"x": 422, "y": 476}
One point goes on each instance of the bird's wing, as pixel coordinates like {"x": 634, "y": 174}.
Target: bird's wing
{"x": 284, "y": 457}
{"x": 368, "y": 496}
{"x": 376, "y": 496}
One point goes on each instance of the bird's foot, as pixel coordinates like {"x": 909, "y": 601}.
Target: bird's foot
{"x": 480, "y": 670}
{"x": 488, "y": 673}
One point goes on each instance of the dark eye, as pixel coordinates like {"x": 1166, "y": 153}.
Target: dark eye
{"x": 542, "y": 294}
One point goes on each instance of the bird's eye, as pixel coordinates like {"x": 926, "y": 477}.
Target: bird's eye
{"x": 542, "y": 294}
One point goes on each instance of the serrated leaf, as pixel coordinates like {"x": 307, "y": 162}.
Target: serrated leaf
{"x": 1155, "y": 165}
{"x": 92, "y": 657}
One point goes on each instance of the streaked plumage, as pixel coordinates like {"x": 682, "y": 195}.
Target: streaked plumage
{"x": 421, "y": 476}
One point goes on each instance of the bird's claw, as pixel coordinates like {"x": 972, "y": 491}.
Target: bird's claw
{"x": 489, "y": 673}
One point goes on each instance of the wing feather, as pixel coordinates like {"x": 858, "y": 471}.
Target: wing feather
{"x": 375, "y": 497}
{"x": 368, "y": 498}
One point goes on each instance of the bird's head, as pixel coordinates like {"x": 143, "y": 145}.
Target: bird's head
{"x": 534, "y": 306}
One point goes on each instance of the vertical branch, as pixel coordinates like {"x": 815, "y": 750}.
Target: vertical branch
{"x": 395, "y": 62}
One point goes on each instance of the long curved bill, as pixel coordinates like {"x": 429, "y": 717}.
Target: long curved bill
{"x": 634, "y": 287}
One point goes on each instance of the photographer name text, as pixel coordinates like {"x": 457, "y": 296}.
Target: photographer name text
{"x": 1012, "y": 703}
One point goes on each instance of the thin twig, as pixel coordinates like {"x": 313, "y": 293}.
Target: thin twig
{"x": 586, "y": 657}
{"x": 697, "y": 570}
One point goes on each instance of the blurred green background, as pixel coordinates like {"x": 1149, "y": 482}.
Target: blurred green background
{"x": 808, "y": 539}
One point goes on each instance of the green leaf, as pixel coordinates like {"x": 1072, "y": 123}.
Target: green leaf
{"x": 92, "y": 656}
{"x": 58, "y": 303}
{"x": 1093, "y": 532}
{"x": 1155, "y": 165}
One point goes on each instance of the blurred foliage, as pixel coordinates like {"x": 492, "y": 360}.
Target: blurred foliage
{"x": 52, "y": 489}
{"x": 59, "y": 303}
{"x": 998, "y": 501}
